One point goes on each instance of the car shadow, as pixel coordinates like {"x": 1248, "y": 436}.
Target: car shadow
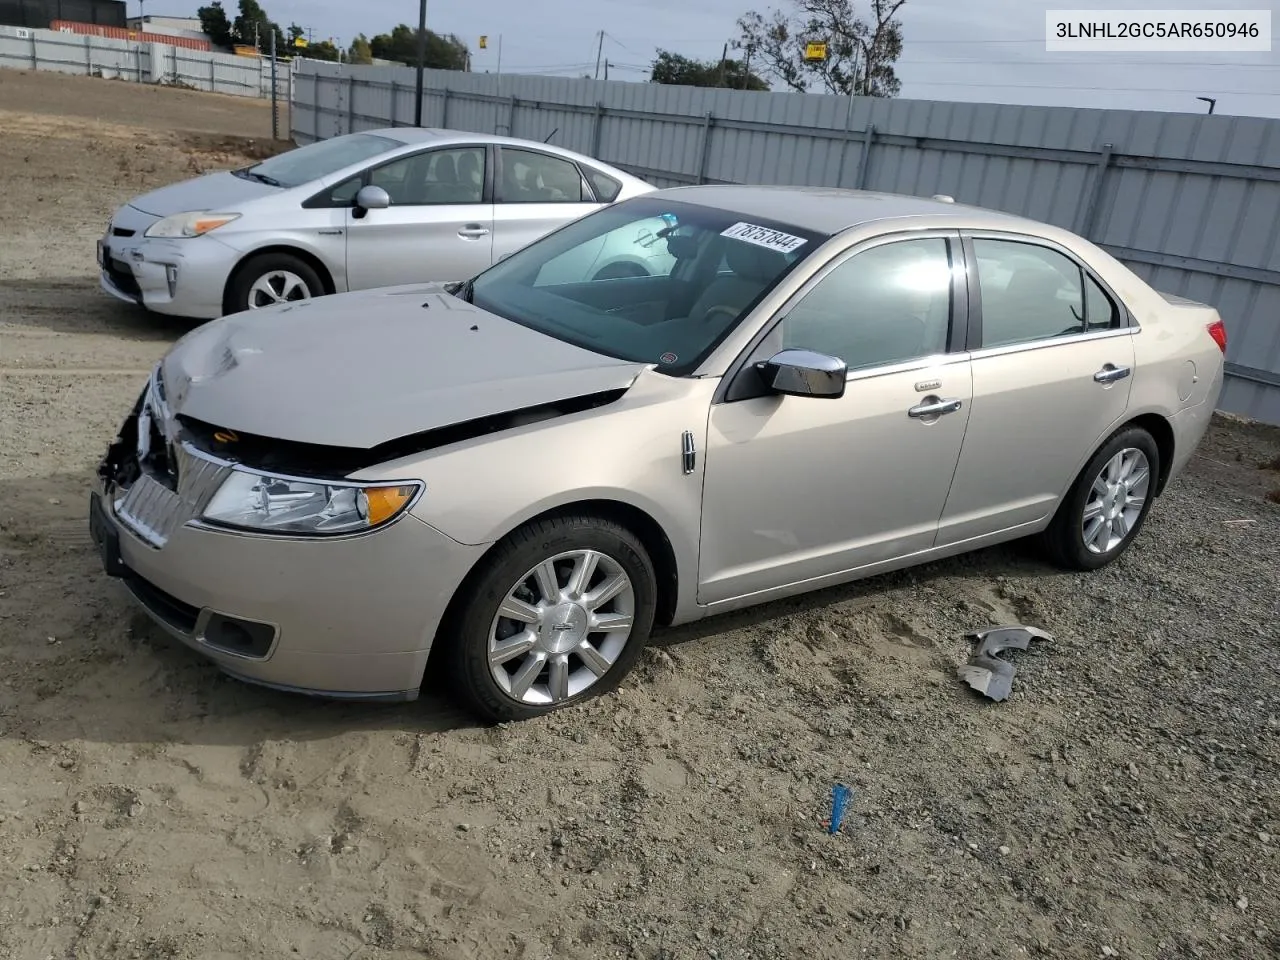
{"x": 78, "y": 660}
{"x": 79, "y": 306}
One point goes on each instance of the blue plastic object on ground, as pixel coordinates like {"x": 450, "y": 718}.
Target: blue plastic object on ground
{"x": 840, "y": 795}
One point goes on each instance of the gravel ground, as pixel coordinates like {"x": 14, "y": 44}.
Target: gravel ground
{"x": 1125, "y": 802}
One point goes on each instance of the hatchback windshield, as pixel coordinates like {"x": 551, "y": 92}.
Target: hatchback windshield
{"x": 648, "y": 280}
{"x": 319, "y": 159}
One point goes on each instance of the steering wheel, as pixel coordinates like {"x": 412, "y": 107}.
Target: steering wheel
{"x": 719, "y": 308}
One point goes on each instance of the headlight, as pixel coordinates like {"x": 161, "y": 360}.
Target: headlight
{"x": 189, "y": 224}
{"x": 284, "y": 505}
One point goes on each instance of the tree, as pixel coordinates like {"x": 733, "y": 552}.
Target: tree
{"x": 254, "y": 26}
{"x": 860, "y": 55}
{"x": 444, "y": 52}
{"x": 675, "y": 68}
{"x": 323, "y": 50}
{"x": 360, "y": 51}
{"x": 215, "y": 24}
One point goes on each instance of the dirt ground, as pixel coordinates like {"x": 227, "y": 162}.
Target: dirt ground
{"x": 1125, "y": 802}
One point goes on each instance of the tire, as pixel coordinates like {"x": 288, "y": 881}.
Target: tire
{"x": 621, "y": 270}
{"x": 245, "y": 286}
{"x": 594, "y": 662}
{"x": 1066, "y": 541}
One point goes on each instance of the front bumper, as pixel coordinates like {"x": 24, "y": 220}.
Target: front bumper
{"x": 183, "y": 278}
{"x": 349, "y": 618}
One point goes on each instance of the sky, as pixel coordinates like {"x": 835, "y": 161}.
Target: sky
{"x": 978, "y": 50}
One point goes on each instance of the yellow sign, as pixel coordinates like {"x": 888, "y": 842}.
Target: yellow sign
{"x": 484, "y": 42}
{"x": 300, "y": 42}
{"x": 815, "y": 51}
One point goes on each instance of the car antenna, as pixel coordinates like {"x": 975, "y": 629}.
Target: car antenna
{"x": 551, "y": 134}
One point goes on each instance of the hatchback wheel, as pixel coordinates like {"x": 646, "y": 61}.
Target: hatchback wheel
{"x": 1108, "y": 504}
{"x": 558, "y": 614}
{"x": 272, "y": 279}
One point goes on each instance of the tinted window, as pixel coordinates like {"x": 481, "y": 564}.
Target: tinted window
{"x": 529, "y": 177}
{"x": 322, "y": 159}
{"x": 1030, "y": 293}
{"x": 606, "y": 188}
{"x": 433, "y": 177}
{"x": 687, "y": 307}
{"x": 889, "y": 304}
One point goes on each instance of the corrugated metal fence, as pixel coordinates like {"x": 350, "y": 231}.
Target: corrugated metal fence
{"x": 29, "y": 49}
{"x": 1190, "y": 202}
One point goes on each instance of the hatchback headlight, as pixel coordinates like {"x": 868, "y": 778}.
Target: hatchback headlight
{"x": 285, "y": 505}
{"x": 194, "y": 224}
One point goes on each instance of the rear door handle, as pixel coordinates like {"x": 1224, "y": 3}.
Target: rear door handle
{"x": 473, "y": 230}
{"x": 934, "y": 407}
{"x": 1110, "y": 373}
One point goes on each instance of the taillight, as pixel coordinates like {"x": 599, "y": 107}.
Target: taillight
{"x": 1218, "y": 330}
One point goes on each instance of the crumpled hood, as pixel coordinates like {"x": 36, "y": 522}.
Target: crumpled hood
{"x": 359, "y": 369}
{"x": 215, "y": 192}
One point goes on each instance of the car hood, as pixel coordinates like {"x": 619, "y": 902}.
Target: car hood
{"x": 219, "y": 192}
{"x": 356, "y": 370}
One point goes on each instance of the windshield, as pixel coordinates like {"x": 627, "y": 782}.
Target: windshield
{"x": 318, "y": 160}
{"x": 648, "y": 279}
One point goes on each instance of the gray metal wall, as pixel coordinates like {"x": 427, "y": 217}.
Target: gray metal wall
{"x": 27, "y": 49}
{"x": 1189, "y": 202}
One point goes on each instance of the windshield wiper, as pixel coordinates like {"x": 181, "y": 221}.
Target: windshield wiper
{"x": 260, "y": 177}
{"x": 464, "y": 291}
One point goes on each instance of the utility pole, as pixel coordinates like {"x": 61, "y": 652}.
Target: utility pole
{"x": 606, "y": 68}
{"x": 422, "y": 60}
{"x": 599, "y": 51}
{"x": 724, "y": 59}
{"x": 499, "y": 54}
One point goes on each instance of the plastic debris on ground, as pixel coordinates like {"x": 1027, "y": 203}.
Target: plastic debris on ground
{"x": 986, "y": 672}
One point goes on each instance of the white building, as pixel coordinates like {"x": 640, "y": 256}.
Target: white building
{"x": 170, "y": 26}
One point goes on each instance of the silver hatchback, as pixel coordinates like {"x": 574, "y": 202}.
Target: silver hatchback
{"x": 370, "y": 209}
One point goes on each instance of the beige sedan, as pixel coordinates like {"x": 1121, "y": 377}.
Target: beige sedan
{"x": 513, "y": 480}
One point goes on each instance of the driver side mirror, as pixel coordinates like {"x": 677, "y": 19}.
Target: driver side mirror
{"x": 371, "y": 198}
{"x": 804, "y": 373}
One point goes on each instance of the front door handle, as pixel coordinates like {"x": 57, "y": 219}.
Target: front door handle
{"x": 473, "y": 230}
{"x": 1110, "y": 373}
{"x": 933, "y": 407}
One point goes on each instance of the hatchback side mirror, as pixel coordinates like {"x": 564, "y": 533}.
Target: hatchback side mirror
{"x": 371, "y": 198}
{"x": 804, "y": 373}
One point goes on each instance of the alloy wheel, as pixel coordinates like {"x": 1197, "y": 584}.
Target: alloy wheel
{"x": 277, "y": 286}
{"x": 561, "y": 627}
{"x": 1115, "y": 500}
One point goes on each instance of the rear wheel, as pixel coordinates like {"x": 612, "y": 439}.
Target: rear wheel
{"x": 1108, "y": 504}
{"x": 271, "y": 279}
{"x": 558, "y": 614}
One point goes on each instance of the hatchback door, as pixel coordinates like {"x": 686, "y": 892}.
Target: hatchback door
{"x": 535, "y": 193}
{"x": 1052, "y": 362}
{"x": 439, "y": 226}
{"x": 798, "y": 488}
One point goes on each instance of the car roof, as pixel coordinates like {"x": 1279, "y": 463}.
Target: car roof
{"x": 831, "y": 210}
{"x": 416, "y": 135}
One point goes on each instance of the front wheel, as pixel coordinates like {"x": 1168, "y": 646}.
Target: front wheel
{"x": 271, "y": 279}
{"x": 1108, "y": 504}
{"x": 558, "y": 614}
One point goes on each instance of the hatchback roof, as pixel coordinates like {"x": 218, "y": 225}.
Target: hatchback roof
{"x": 831, "y": 209}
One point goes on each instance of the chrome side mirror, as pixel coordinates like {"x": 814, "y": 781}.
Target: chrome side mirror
{"x": 804, "y": 373}
{"x": 371, "y": 198}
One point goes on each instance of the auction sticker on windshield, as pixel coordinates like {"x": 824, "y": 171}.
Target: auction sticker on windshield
{"x": 764, "y": 237}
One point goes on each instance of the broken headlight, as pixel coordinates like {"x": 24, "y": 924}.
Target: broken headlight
{"x": 267, "y": 503}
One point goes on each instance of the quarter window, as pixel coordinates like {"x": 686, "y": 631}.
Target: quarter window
{"x": 889, "y": 304}
{"x": 1031, "y": 293}
{"x": 530, "y": 177}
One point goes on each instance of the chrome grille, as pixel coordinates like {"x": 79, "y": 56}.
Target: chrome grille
{"x": 154, "y": 512}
